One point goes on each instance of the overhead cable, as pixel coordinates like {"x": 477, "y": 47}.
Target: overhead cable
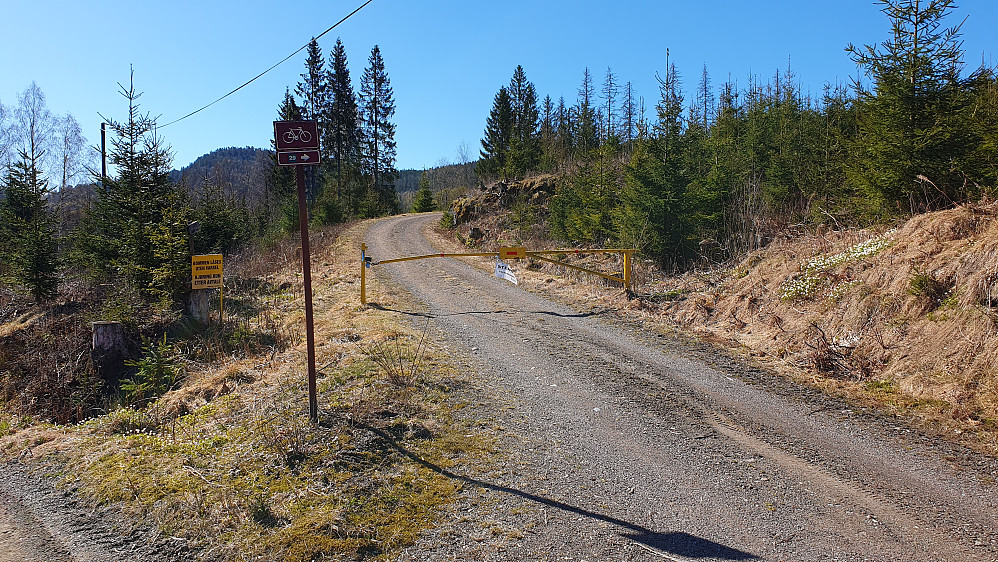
{"x": 282, "y": 61}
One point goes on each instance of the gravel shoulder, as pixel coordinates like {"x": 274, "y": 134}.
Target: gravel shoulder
{"x": 620, "y": 444}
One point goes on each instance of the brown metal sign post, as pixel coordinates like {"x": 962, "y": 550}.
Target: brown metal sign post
{"x": 297, "y": 145}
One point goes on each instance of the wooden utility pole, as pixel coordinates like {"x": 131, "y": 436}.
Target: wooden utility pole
{"x": 103, "y": 152}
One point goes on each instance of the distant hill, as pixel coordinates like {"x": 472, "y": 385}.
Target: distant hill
{"x": 447, "y": 183}
{"x": 451, "y": 176}
{"x": 240, "y": 172}
{"x": 71, "y": 203}
{"x": 242, "y": 175}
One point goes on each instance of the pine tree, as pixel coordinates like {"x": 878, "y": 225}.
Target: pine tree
{"x": 423, "y": 202}
{"x": 377, "y": 110}
{"x": 27, "y": 229}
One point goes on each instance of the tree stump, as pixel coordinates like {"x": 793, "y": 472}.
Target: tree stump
{"x": 109, "y": 350}
{"x": 199, "y": 305}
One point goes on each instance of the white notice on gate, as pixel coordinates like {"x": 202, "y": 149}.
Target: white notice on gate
{"x": 503, "y": 271}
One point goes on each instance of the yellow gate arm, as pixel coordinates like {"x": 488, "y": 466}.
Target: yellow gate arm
{"x": 443, "y": 255}
{"x": 507, "y": 253}
{"x": 624, "y": 278}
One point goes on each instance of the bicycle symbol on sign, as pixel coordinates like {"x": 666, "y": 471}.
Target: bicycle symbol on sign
{"x": 299, "y": 134}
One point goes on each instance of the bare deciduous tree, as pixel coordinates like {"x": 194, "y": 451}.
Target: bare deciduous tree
{"x": 33, "y": 125}
{"x": 69, "y": 149}
{"x": 6, "y": 150}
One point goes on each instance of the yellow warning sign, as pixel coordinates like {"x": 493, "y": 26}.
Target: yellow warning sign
{"x": 206, "y": 271}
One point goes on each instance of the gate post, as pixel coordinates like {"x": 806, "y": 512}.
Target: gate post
{"x": 627, "y": 271}
{"x": 363, "y": 267}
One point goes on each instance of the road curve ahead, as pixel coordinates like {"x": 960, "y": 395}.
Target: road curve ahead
{"x": 627, "y": 449}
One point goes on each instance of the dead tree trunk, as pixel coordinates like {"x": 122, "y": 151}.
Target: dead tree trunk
{"x": 199, "y": 303}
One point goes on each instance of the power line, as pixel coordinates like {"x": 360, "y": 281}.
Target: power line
{"x": 282, "y": 61}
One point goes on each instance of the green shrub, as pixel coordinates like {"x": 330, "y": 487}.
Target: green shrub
{"x": 447, "y": 221}
{"x": 926, "y": 286}
{"x": 158, "y": 370}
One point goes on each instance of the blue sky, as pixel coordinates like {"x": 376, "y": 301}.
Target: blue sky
{"x": 445, "y": 59}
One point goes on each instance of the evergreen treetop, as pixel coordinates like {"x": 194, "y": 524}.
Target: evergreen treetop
{"x": 377, "y": 104}
{"x": 423, "y": 202}
{"x": 27, "y": 229}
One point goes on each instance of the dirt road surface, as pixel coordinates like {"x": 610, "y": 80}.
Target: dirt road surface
{"x": 41, "y": 523}
{"x": 626, "y": 445}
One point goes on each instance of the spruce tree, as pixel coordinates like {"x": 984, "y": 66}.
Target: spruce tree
{"x": 585, "y": 134}
{"x": 314, "y": 93}
{"x": 563, "y": 128}
{"x": 547, "y": 136}
{"x": 423, "y": 202}
{"x": 136, "y": 227}
{"x": 609, "y": 91}
{"x": 524, "y": 149}
{"x": 701, "y": 111}
{"x": 983, "y": 161}
{"x": 6, "y": 153}
{"x": 282, "y": 186}
{"x": 27, "y": 229}
{"x": 342, "y": 134}
{"x": 312, "y": 87}
{"x": 670, "y": 112}
{"x": 377, "y": 111}
{"x": 498, "y": 136}
{"x": 628, "y": 115}
{"x": 912, "y": 138}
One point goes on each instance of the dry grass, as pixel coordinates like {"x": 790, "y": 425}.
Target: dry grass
{"x": 910, "y": 326}
{"x": 229, "y": 463}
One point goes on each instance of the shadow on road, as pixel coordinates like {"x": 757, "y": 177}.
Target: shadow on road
{"x": 544, "y": 312}
{"x": 677, "y": 543}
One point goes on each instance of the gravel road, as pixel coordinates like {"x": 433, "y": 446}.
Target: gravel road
{"x": 620, "y": 444}
{"x": 41, "y": 523}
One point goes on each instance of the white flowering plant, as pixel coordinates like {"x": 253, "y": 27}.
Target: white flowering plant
{"x": 809, "y": 281}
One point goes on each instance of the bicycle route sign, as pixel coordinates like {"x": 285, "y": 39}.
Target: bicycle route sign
{"x": 297, "y": 143}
